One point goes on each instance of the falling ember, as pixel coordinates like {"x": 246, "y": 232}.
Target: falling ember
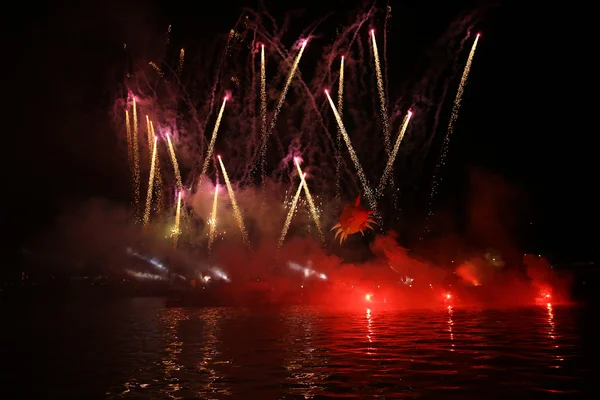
{"x": 129, "y": 141}
{"x": 150, "y": 184}
{"x": 445, "y": 145}
{"x": 180, "y": 65}
{"x": 236, "y": 209}
{"x": 263, "y": 114}
{"x": 359, "y": 170}
{"x": 176, "y": 229}
{"x": 288, "y": 219}
{"x": 338, "y": 165}
{"x": 384, "y": 116}
{"x": 136, "y": 162}
{"x": 213, "y": 139}
{"x": 311, "y": 203}
{"x": 212, "y": 222}
{"x": 175, "y": 164}
{"x": 288, "y": 82}
{"x": 390, "y": 164}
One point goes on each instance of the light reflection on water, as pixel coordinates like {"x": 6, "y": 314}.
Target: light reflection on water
{"x": 307, "y": 352}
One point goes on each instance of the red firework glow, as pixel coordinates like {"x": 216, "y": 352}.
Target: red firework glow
{"x": 353, "y": 219}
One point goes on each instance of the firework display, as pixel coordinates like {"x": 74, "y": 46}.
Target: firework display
{"x": 269, "y": 107}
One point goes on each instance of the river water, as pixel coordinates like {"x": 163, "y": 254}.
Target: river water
{"x": 138, "y": 349}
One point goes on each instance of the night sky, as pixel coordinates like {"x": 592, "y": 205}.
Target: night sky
{"x": 517, "y": 120}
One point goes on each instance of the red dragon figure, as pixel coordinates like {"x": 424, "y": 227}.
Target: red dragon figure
{"x": 353, "y": 219}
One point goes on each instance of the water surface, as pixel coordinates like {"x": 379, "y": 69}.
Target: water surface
{"x": 138, "y": 349}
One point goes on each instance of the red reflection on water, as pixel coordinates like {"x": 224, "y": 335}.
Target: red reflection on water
{"x": 450, "y": 323}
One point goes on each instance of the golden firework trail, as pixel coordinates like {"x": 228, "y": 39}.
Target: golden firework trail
{"x": 213, "y": 139}
{"x": 156, "y": 68}
{"x": 175, "y": 164}
{"x": 236, "y": 209}
{"x": 150, "y": 134}
{"x": 288, "y": 219}
{"x": 338, "y": 165}
{"x": 460, "y": 92}
{"x": 286, "y": 87}
{"x": 311, "y": 204}
{"x": 341, "y": 89}
{"x": 136, "y": 163}
{"x": 390, "y": 164}
{"x": 129, "y": 142}
{"x": 212, "y": 221}
{"x": 181, "y": 58}
{"x": 445, "y": 145}
{"x": 158, "y": 187}
{"x": 354, "y": 157}
{"x": 263, "y": 112}
{"x": 384, "y": 116}
{"x": 150, "y": 184}
{"x": 177, "y": 229}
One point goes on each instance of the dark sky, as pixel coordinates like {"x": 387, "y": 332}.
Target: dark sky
{"x": 517, "y": 120}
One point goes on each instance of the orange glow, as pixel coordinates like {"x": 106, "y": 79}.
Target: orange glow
{"x": 368, "y": 297}
{"x": 448, "y": 296}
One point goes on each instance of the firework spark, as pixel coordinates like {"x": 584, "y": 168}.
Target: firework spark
{"x": 213, "y": 139}
{"x": 236, "y": 209}
{"x": 175, "y": 163}
{"x": 129, "y": 142}
{"x": 359, "y": 170}
{"x": 381, "y": 91}
{"x": 150, "y": 184}
{"x": 212, "y": 222}
{"x": 311, "y": 204}
{"x": 180, "y": 64}
{"x": 158, "y": 186}
{"x": 390, "y": 164}
{"x": 136, "y": 162}
{"x": 436, "y": 179}
{"x": 338, "y": 165}
{"x": 280, "y": 102}
{"x": 177, "y": 228}
{"x": 263, "y": 112}
{"x": 288, "y": 219}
